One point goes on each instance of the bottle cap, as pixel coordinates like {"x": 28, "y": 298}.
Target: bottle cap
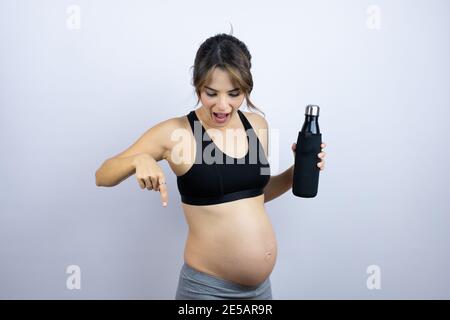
{"x": 312, "y": 110}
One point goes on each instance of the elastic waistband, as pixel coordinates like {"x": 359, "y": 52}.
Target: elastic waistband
{"x": 222, "y": 283}
{"x": 248, "y": 193}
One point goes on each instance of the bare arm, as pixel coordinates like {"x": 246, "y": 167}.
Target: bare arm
{"x": 155, "y": 142}
{"x": 278, "y": 184}
{"x": 282, "y": 182}
{"x": 115, "y": 170}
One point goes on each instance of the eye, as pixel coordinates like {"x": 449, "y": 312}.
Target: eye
{"x": 234, "y": 95}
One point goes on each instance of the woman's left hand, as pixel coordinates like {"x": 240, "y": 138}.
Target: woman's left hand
{"x": 321, "y": 155}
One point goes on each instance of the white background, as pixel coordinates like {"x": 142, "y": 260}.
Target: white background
{"x": 71, "y": 98}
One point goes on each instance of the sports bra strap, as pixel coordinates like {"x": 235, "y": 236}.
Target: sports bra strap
{"x": 191, "y": 118}
{"x": 244, "y": 120}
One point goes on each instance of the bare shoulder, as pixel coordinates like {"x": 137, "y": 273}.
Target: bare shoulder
{"x": 260, "y": 126}
{"x": 257, "y": 121}
{"x": 173, "y": 123}
{"x": 156, "y": 140}
{"x": 165, "y": 128}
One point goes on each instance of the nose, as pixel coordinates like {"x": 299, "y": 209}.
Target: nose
{"x": 222, "y": 104}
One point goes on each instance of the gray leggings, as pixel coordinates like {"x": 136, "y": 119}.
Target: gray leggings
{"x": 194, "y": 284}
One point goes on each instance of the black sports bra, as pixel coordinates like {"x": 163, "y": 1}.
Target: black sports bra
{"x": 216, "y": 177}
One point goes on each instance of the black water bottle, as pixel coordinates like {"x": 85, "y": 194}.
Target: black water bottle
{"x": 306, "y": 172}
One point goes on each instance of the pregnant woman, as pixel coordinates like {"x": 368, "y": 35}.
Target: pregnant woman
{"x": 219, "y": 155}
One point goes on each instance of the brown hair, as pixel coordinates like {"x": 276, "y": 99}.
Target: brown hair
{"x": 228, "y": 53}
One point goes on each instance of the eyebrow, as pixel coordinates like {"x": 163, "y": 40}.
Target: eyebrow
{"x": 218, "y": 90}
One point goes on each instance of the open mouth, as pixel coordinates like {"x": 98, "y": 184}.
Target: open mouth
{"x": 221, "y": 117}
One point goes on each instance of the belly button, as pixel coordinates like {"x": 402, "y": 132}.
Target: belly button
{"x": 268, "y": 254}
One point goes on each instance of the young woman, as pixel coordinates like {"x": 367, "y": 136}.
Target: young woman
{"x": 223, "y": 183}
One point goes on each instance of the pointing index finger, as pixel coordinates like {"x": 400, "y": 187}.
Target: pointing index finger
{"x": 163, "y": 192}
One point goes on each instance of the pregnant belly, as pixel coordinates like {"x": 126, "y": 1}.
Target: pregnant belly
{"x": 236, "y": 244}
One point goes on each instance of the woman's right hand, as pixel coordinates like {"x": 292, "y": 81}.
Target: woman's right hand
{"x": 150, "y": 175}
